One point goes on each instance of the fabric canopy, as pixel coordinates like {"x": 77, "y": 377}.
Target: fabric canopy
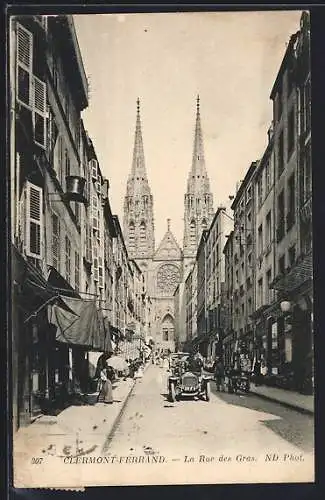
{"x": 83, "y": 325}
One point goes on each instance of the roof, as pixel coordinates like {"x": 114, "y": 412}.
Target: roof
{"x": 70, "y": 52}
{"x": 168, "y": 248}
{"x": 243, "y": 185}
{"x": 284, "y": 63}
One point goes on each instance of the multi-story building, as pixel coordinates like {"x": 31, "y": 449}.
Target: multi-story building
{"x": 202, "y": 339}
{"x": 290, "y": 331}
{"x": 220, "y": 227}
{"x": 47, "y": 94}
{"x": 229, "y": 338}
{"x": 264, "y": 254}
{"x": 244, "y": 240}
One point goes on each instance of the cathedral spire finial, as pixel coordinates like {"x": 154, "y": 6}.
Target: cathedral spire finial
{"x": 168, "y": 224}
{"x": 138, "y": 106}
{"x": 198, "y": 103}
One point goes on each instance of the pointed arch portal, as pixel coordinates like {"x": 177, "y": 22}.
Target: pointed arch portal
{"x": 168, "y": 328}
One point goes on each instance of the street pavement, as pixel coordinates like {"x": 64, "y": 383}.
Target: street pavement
{"x": 144, "y": 439}
{"x": 245, "y": 428}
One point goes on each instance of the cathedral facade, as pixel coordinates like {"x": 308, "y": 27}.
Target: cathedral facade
{"x": 167, "y": 265}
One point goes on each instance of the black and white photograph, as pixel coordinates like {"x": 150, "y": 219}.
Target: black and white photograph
{"x": 161, "y": 246}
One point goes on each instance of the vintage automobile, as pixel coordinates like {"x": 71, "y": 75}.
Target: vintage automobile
{"x": 184, "y": 384}
{"x": 238, "y": 382}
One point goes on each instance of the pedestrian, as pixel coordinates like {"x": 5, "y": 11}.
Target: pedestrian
{"x": 257, "y": 372}
{"x": 107, "y": 376}
{"x": 220, "y": 375}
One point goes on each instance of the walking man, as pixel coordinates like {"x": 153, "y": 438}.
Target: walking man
{"x": 219, "y": 375}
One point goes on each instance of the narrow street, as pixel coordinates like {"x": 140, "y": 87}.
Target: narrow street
{"x": 243, "y": 427}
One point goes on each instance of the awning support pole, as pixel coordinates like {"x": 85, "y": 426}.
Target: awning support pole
{"x": 35, "y": 313}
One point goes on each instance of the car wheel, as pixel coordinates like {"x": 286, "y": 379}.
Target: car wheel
{"x": 207, "y": 391}
{"x": 172, "y": 394}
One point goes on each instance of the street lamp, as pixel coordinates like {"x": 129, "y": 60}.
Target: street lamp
{"x": 285, "y": 306}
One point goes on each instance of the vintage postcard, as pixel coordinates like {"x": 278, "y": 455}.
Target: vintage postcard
{"x": 161, "y": 236}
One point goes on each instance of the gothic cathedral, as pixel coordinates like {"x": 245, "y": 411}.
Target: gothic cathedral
{"x": 165, "y": 267}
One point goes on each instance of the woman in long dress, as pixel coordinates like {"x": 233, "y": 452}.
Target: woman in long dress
{"x": 106, "y": 391}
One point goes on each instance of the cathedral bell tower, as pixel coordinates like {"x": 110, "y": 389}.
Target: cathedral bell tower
{"x": 198, "y": 200}
{"x": 138, "y": 222}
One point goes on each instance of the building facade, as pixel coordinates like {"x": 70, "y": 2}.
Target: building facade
{"x": 244, "y": 243}
{"x": 163, "y": 266}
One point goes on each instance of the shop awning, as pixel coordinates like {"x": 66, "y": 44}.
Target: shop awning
{"x": 81, "y": 325}
{"x": 34, "y": 292}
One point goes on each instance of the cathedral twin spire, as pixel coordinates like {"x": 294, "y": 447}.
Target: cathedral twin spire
{"x": 198, "y": 201}
{"x": 138, "y": 205}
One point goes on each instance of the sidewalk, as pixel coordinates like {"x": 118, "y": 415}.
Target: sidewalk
{"x": 291, "y": 399}
{"x": 77, "y": 430}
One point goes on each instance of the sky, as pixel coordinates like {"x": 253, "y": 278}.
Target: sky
{"x": 230, "y": 59}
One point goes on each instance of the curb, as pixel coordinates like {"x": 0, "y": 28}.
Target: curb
{"x": 118, "y": 419}
{"x": 292, "y": 406}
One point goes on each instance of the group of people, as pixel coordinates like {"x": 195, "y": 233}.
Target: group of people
{"x": 106, "y": 374}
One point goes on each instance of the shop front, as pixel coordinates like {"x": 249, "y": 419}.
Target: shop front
{"x": 292, "y": 336}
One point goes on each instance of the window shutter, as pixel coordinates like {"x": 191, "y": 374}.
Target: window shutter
{"x": 93, "y": 166}
{"x": 24, "y": 65}
{"x": 56, "y": 242}
{"x": 34, "y": 220}
{"x": 39, "y": 111}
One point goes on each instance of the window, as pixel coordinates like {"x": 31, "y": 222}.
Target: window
{"x": 77, "y": 271}
{"x": 34, "y": 220}
{"x": 165, "y": 334}
{"x": 142, "y": 234}
{"x": 292, "y": 255}
{"x": 305, "y": 107}
{"x": 31, "y": 91}
{"x": 306, "y": 177}
{"x": 291, "y": 202}
{"x": 24, "y": 65}
{"x": 260, "y": 240}
{"x": 56, "y": 242}
{"x": 260, "y": 192}
{"x": 268, "y": 283}
{"x": 60, "y": 170}
{"x": 280, "y": 155}
{"x": 204, "y": 224}
{"x": 192, "y": 232}
{"x": 274, "y": 333}
{"x": 237, "y": 276}
{"x": 67, "y": 259}
{"x": 88, "y": 255}
{"x": 280, "y": 228}
{"x": 281, "y": 264}
{"x": 268, "y": 236}
{"x": 291, "y": 131}
{"x": 67, "y": 163}
{"x": 260, "y": 292}
{"x": 100, "y": 273}
{"x": 279, "y": 103}
{"x": 267, "y": 177}
{"x": 249, "y": 194}
{"x": 131, "y": 235}
{"x": 94, "y": 170}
